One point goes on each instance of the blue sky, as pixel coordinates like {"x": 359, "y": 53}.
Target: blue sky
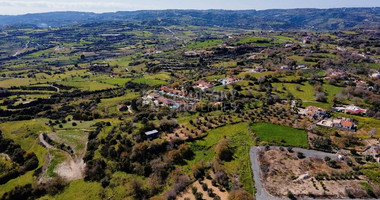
{"x": 12, "y": 7}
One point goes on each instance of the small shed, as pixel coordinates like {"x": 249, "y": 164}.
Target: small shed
{"x": 152, "y": 134}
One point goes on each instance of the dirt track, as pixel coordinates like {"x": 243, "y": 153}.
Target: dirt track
{"x": 71, "y": 169}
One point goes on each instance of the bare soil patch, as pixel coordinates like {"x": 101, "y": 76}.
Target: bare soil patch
{"x": 284, "y": 171}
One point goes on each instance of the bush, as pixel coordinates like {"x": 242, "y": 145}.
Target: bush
{"x": 300, "y": 155}
{"x": 333, "y": 164}
{"x": 217, "y": 198}
{"x": 221, "y": 178}
{"x": 291, "y": 195}
{"x": 321, "y": 97}
{"x": 198, "y": 171}
{"x": 240, "y": 194}
{"x": 204, "y": 187}
{"x": 198, "y": 196}
{"x": 213, "y": 182}
{"x": 95, "y": 170}
{"x": 194, "y": 190}
{"x": 210, "y": 192}
{"x": 224, "y": 151}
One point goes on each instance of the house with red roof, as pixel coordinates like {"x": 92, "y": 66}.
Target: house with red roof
{"x": 203, "y": 84}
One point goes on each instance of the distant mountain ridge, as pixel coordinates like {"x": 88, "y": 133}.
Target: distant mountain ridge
{"x": 289, "y": 19}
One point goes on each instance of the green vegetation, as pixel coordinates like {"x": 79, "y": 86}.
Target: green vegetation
{"x": 205, "y": 44}
{"x": 117, "y": 81}
{"x": 241, "y": 141}
{"x": 280, "y": 135}
{"x": 150, "y": 82}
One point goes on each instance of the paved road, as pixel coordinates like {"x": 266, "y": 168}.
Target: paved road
{"x": 262, "y": 193}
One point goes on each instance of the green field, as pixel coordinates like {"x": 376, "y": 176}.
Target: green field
{"x": 117, "y": 81}
{"x": 25, "y": 133}
{"x": 280, "y": 135}
{"x": 88, "y": 85}
{"x": 204, "y": 151}
{"x": 306, "y": 91}
{"x": 109, "y": 105}
{"x": 207, "y": 43}
{"x": 245, "y": 40}
{"x": 151, "y": 82}
{"x": 17, "y": 82}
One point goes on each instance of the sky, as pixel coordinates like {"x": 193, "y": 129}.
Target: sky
{"x": 15, "y": 7}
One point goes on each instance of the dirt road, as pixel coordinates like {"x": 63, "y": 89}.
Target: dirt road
{"x": 71, "y": 169}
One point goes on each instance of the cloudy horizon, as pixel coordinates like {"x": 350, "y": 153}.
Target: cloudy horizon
{"x": 16, "y": 7}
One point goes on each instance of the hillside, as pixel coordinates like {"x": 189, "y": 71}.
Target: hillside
{"x": 291, "y": 19}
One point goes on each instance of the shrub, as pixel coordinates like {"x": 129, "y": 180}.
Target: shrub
{"x": 221, "y": 178}
{"x": 194, "y": 190}
{"x": 95, "y": 170}
{"x": 198, "y": 196}
{"x": 224, "y": 151}
{"x": 198, "y": 171}
{"x": 291, "y": 195}
{"x": 213, "y": 182}
{"x": 240, "y": 194}
{"x": 217, "y": 198}
{"x": 300, "y": 155}
{"x": 210, "y": 192}
{"x": 204, "y": 187}
{"x": 333, "y": 164}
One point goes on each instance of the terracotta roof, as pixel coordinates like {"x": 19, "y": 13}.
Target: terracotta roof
{"x": 346, "y": 123}
{"x": 203, "y": 83}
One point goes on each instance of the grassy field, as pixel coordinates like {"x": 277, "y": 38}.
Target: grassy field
{"x": 25, "y": 133}
{"x": 78, "y": 190}
{"x": 306, "y": 91}
{"x": 109, "y": 105}
{"x": 245, "y": 40}
{"x": 88, "y": 85}
{"x": 204, "y": 151}
{"x": 150, "y": 82}
{"x": 280, "y": 135}
{"x": 207, "y": 43}
{"x": 117, "y": 81}
{"x": 331, "y": 90}
{"x": 17, "y": 82}
{"x": 256, "y": 75}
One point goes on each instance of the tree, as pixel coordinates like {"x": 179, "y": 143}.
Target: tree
{"x": 240, "y": 194}
{"x": 224, "y": 151}
{"x": 137, "y": 189}
{"x": 221, "y": 178}
{"x": 321, "y": 97}
{"x": 297, "y": 87}
{"x": 95, "y": 170}
{"x": 198, "y": 171}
